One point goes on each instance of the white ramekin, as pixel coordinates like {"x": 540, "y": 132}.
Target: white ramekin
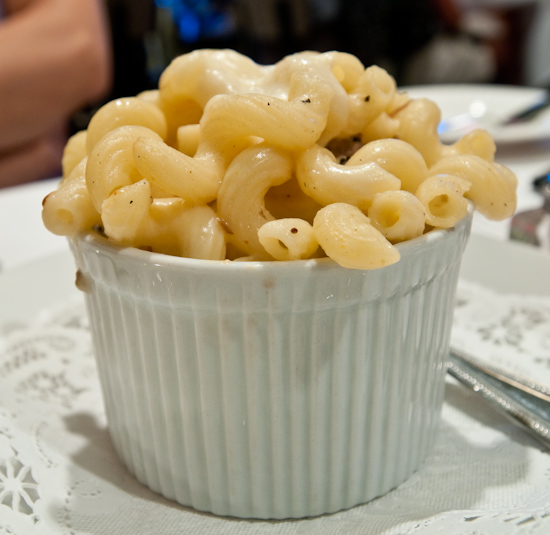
{"x": 277, "y": 389}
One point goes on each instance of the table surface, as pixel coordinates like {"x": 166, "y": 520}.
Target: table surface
{"x": 58, "y": 470}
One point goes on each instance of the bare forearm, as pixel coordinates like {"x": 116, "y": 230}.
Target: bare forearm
{"x": 40, "y": 158}
{"x": 54, "y": 58}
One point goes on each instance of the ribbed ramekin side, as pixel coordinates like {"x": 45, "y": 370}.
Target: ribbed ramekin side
{"x": 267, "y": 392}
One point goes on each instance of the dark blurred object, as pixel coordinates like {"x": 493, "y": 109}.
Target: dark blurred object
{"x": 132, "y": 21}
{"x": 272, "y": 29}
{"x": 510, "y": 46}
{"x": 386, "y": 31}
{"x": 200, "y": 20}
{"x": 186, "y": 25}
{"x": 264, "y": 30}
{"x": 268, "y": 30}
{"x": 417, "y": 41}
{"x": 131, "y": 24}
{"x": 533, "y": 226}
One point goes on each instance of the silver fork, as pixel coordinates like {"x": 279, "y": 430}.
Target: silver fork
{"x": 523, "y": 400}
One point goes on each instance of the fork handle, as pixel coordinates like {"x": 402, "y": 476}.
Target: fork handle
{"x": 526, "y": 404}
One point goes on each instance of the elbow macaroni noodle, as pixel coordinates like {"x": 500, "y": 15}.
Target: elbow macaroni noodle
{"x": 346, "y": 235}
{"x": 442, "y": 197}
{"x": 313, "y": 156}
{"x": 241, "y": 198}
{"x": 288, "y": 239}
{"x": 398, "y": 215}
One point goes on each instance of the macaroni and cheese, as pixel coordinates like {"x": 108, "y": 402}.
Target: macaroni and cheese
{"x": 313, "y": 156}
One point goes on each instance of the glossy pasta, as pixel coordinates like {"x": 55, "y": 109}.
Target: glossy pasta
{"x": 313, "y": 156}
{"x": 288, "y": 239}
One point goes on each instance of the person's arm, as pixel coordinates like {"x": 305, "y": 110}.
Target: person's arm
{"x": 38, "y": 159}
{"x": 55, "y": 57}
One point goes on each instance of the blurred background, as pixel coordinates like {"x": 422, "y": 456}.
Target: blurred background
{"x": 417, "y": 41}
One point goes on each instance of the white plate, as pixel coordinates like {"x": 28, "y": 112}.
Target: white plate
{"x": 507, "y": 267}
{"x": 461, "y": 103}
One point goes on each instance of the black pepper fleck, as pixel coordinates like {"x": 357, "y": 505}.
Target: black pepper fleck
{"x": 100, "y": 230}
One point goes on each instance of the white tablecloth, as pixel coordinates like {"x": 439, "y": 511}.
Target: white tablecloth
{"x": 23, "y": 237}
{"x": 59, "y": 473}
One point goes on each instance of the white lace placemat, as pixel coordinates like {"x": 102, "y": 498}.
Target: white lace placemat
{"x": 60, "y": 475}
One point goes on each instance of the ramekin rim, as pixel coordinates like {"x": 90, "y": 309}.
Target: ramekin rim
{"x": 154, "y": 258}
